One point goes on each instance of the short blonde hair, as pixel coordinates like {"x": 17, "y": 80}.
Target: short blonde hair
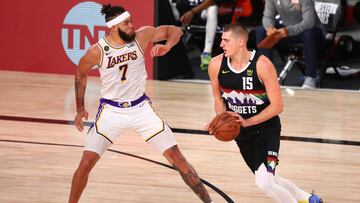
{"x": 238, "y": 30}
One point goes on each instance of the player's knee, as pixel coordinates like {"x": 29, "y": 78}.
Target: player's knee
{"x": 263, "y": 179}
{"x": 176, "y": 158}
{"x": 87, "y": 163}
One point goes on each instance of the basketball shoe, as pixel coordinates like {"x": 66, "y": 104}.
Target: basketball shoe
{"x": 312, "y": 199}
{"x": 205, "y": 60}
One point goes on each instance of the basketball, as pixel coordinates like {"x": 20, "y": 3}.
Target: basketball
{"x": 225, "y": 127}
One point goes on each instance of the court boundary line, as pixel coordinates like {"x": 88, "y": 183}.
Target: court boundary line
{"x": 185, "y": 131}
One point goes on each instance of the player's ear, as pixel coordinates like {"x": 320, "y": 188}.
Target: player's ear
{"x": 241, "y": 41}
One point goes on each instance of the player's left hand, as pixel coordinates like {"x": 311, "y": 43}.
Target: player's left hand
{"x": 243, "y": 122}
{"x": 160, "y": 50}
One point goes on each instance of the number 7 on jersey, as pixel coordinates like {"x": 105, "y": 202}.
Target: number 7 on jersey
{"x": 123, "y": 69}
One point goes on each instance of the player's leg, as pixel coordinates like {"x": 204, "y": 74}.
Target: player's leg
{"x": 266, "y": 160}
{"x": 81, "y": 175}
{"x": 187, "y": 172}
{"x": 300, "y": 195}
{"x": 265, "y": 180}
{"x": 259, "y": 149}
{"x": 155, "y": 132}
{"x": 95, "y": 146}
{"x": 98, "y": 140}
{"x": 272, "y": 144}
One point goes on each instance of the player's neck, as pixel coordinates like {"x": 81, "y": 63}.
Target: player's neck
{"x": 115, "y": 40}
{"x": 241, "y": 58}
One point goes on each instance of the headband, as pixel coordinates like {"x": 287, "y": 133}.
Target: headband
{"x": 118, "y": 19}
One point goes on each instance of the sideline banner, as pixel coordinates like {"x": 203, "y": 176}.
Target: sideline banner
{"x": 51, "y": 36}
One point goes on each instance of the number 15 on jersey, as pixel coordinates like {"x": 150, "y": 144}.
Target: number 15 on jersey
{"x": 247, "y": 83}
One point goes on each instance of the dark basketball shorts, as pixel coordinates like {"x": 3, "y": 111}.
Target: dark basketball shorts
{"x": 260, "y": 144}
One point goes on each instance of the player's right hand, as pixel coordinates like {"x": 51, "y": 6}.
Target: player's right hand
{"x": 79, "y": 120}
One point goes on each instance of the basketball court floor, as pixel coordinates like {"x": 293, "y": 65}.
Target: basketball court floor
{"x": 40, "y": 147}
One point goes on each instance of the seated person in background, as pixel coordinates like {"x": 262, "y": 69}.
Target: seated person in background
{"x": 300, "y": 24}
{"x": 184, "y": 11}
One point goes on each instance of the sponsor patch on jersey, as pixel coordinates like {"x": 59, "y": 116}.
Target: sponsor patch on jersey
{"x": 249, "y": 72}
{"x": 130, "y": 45}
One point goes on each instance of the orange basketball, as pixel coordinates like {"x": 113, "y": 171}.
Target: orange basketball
{"x": 225, "y": 127}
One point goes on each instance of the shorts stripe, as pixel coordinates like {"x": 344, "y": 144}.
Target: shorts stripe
{"x": 163, "y": 127}
{"x": 96, "y": 127}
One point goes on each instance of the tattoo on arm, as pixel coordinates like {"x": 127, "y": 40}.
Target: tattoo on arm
{"x": 80, "y": 86}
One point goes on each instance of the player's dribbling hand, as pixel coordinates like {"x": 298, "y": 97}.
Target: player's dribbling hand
{"x": 160, "y": 50}
{"x": 79, "y": 120}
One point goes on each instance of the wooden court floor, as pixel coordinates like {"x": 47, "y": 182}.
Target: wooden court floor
{"x": 40, "y": 147}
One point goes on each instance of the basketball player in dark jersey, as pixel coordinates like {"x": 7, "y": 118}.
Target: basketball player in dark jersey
{"x": 245, "y": 83}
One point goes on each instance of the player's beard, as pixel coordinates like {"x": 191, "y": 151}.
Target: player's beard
{"x": 126, "y": 37}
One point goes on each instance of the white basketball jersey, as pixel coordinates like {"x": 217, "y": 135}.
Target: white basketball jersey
{"x": 122, "y": 71}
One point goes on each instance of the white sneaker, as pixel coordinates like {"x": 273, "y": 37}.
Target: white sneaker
{"x": 309, "y": 83}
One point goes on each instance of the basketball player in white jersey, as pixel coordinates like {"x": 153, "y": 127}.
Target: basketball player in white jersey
{"x": 119, "y": 57}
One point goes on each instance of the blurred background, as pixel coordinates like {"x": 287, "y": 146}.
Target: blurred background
{"x": 346, "y": 48}
{"x": 51, "y": 36}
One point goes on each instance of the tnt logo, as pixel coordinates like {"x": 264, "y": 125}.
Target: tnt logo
{"x": 82, "y": 27}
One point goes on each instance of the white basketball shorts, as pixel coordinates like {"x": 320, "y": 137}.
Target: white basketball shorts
{"x": 111, "y": 121}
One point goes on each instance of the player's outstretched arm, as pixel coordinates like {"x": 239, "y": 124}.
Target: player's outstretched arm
{"x": 169, "y": 33}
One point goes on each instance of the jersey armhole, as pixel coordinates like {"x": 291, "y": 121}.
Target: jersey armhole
{"x": 101, "y": 55}
{"x": 138, "y": 45}
{"x": 256, "y": 67}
